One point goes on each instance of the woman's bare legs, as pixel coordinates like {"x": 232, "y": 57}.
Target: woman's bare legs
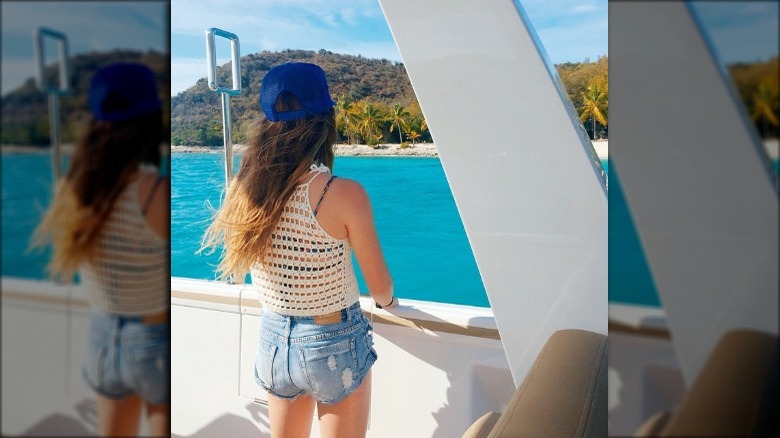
{"x": 158, "y": 419}
{"x": 291, "y": 419}
{"x": 122, "y": 417}
{"x": 118, "y": 417}
{"x": 349, "y": 417}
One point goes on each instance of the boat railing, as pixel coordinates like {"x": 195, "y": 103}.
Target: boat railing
{"x": 225, "y": 92}
{"x": 450, "y": 356}
{"x": 54, "y": 92}
{"x": 421, "y": 315}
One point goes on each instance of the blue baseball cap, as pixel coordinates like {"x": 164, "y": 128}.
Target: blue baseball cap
{"x": 123, "y": 91}
{"x": 304, "y": 81}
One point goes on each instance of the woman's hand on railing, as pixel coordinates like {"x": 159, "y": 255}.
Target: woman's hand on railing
{"x": 393, "y": 303}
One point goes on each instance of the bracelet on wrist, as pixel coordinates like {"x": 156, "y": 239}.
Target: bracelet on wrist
{"x": 378, "y": 306}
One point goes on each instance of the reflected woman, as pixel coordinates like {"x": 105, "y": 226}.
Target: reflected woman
{"x": 293, "y": 225}
{"x": 109, "y": 221}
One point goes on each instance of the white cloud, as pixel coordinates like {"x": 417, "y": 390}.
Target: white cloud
{"x": 356, "y": 27}
{"x": 349, "y": 27}
{"x": 575, "y": 43}
{"x": 544, "y": 12}
{"x": 377, "y": 50}
{"x": 192, "y": 16}
{"x": 578, "y": 9}
{"x": 758, "y": 8}
{"x": 185, "y": 72}
{"x": 349, "y": 16}
{"x": 15, "y": 72}
{"x": 88, "y": 25}
{"x": 112, "y": 25}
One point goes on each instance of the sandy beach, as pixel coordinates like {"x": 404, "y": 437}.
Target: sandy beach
{"x": 354, "y": 150}
{"x": 342, "y": 150}
{"x": 382, "y": 150}
{"x": 12, "y": 148}
{"x": 602, "y": 148}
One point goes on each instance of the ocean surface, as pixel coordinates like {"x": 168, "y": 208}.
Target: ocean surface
{"x": 418, "y": 224}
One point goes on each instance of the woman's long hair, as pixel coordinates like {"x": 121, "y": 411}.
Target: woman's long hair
{"x": 277, "y": 156}
{"x": 105, "y": 158}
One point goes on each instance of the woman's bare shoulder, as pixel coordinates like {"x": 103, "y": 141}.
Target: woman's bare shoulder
{"x": 350, "y": 192}
{"x": 148, "y": 181}
{"x": 349, "y": 187}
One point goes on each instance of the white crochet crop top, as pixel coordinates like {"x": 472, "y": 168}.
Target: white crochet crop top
{"x": 307, "y": 272}
{"x": 131, "y": 272}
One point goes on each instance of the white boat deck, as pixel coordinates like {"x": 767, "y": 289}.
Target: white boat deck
{"x": 440, "y": 366}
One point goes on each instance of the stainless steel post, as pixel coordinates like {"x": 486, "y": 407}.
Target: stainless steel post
{"x": 227, "y": 138}
{"x": 53, "y": 92}
{"x": 54, "y": 136}
{"x": 234, "y": 90}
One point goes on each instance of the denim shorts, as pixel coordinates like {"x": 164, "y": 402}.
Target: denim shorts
{"x": 125, "y": 356}
{"x": 296, "y": 356}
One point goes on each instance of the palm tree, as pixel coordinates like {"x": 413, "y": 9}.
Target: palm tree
{"x": 368, "y": 125}
{"x": 344, "y": 108}
{"x": 595, "y": 101}
{"x": 416, "y": 116}
{"x": 764, "y": 101}
{"x": 397, "y": 120}
{"x": 413, "y": 135}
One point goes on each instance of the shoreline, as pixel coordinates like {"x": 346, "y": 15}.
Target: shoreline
{"x": 342, "y": 150}
{"x": 359, "y": 150}
{"x": 601, "y": 147}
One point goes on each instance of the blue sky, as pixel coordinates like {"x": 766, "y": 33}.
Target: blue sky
{"x": 743, "y": 31}
{"x": 570, "y": 31}
{"x": 89, "y": 26}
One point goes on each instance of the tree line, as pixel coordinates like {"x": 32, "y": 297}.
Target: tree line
{"x": 375, "y": 100}
{"x": 587, "y": 84}
{"x": 25, "y": 110}
{"x": 757, "y": 84}
{"x": 367, "y": 91}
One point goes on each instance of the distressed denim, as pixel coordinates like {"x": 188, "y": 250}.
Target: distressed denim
{"x": 125, "y": 356}
{"x": 296, "y": 356}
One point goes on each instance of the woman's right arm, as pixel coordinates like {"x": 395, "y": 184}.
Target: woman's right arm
{"x": 359, "y": 221}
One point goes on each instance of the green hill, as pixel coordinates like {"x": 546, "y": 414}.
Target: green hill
{"x": 196, "y": 114}
{"x": 375, "y": 90}
{"x": 25, "y": 111}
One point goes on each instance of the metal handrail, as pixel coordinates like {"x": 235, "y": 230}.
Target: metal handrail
{"x": 234, "y": 90}
{"x": 53, "y": 92}
{"x": 54, "y": 134}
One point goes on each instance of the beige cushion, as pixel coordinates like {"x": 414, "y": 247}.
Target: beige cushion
{"x": 564, "y": 393}
{"x": 653, "y": 425}
{"x": 482, "y": 427}
{"x": 735, "y": 393}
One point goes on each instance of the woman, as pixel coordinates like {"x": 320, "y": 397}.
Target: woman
{"x": 293, "y": 225}
{"x": 109, "y": 220}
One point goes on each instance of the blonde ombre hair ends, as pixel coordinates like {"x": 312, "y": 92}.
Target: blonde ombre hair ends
{"x": 278, "y": 155}
{"x": 101, "y": 166}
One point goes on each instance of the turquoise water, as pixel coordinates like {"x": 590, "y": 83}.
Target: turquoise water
{"x": 629, "y": 277}
{"x": 26, "y": 191}
{"x": 418, "y": 224}
{"x": 417, "y": 221}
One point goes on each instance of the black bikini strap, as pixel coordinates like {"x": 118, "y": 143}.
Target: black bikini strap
{"x": 327, "y": 184}
{"x": 151, "y": 194}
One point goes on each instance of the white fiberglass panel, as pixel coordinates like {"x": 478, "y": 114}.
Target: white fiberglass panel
{"x": 523, "y": 173}
{"x": 702, "y": 197}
